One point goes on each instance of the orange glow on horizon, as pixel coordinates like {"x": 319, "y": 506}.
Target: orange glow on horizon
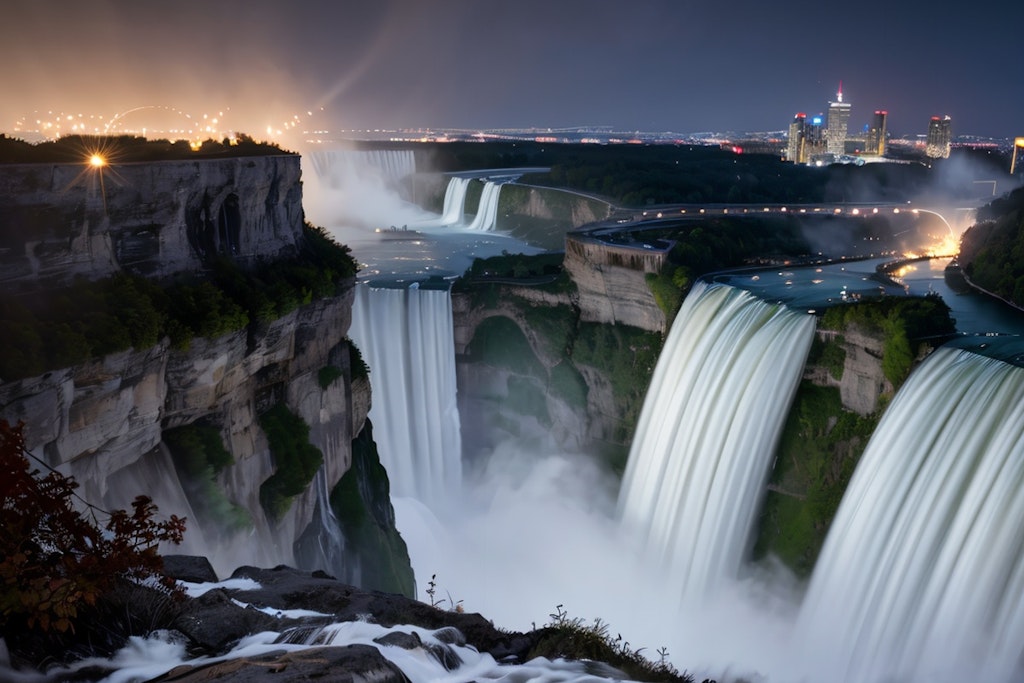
{"x": 97, "y": 161}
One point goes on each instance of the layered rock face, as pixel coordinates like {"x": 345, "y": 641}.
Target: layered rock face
{"x": 155, "y": 219}
{"x": 863, "y": 380}
{"x": 611, "y": 283}
{"x": 102, "y": 422}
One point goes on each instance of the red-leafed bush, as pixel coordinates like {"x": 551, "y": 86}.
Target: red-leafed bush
{"x": 56, "y": 560}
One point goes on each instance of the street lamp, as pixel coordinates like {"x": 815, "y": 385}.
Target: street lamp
{"x": 97, "y": 161}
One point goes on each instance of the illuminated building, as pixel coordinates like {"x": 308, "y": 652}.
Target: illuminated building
{"x": 875, "y": 143}
{"x": 939, "y": 137}
{"x": 838, "y": 116}
{"x": 796, "y": 151}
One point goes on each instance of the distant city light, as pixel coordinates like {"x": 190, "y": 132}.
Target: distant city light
{"x": 97, "y": 161}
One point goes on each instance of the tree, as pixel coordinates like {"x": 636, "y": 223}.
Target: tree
{"x": 55, "y": 560}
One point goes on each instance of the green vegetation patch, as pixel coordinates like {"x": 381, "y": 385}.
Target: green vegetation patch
{"x": 498, "y": 341}
{"x": 361, "y": 501}
{"x": 572, "y": 638}
{"x": 58, "y": 328}
{"x": 326, "y": 376}
{"x": 819, "y": 449}
{"x": 296, "y": 460}
{"x": 992, "y": 251}
{"x": 199, "y": 456}
{"x": 829, "y": 354}
{"x": 359, "y": 368}
{"x": 526, "y": 397}
{"x": 568, "y": 384}
{"x": 626, "y": 355}
{"x": 903, "y": 323}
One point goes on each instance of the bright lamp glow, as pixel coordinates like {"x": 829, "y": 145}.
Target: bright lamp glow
{"x": 97, "y": 160}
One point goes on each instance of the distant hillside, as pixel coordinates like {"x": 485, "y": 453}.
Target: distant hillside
{"x": 992, "y": 251}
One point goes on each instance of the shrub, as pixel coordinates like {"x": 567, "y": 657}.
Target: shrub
{"x": 55, "y": 560}
{"x": 296, "y": 460}
{"x": 327, "y": 374}
{"x": 358, "y": 366}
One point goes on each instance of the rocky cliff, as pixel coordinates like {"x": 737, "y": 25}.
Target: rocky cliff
{"x": 543, "y": 216}
{"x": 103, "y": 422}
{"x": 155, "y": 219}
{"x": 861, "y": 381}
{"x": 106, "y": 422}
{"x": 529, "y": 364}
{"x": 611, "y": 282}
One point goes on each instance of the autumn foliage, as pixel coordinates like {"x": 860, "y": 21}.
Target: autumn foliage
{"x": 55, "y": 560}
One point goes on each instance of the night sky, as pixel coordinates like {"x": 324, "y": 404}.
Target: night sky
{"x": 649, "y": 65}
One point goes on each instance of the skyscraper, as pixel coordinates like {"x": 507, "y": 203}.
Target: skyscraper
{"x": 875, "y": 143}
{"x": 939, "y": 137}
{"x": 838, "y": 116}
{"x": 796, "y": 152}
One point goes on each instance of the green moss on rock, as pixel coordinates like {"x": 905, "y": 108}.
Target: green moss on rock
{"x": 361, "y": 501}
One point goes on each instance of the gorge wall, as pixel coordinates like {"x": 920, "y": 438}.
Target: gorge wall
{"x": 611, "y": 282}
{"x": 105, "y": 422}
{"x": 153, "y": 219}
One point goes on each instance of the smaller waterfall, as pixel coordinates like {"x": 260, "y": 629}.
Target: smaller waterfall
{"x": 707, "y": 432}
{"x": 486, "y": 217}
{"x": 406, "y": 338}
{"x": 322, "y": 545}
{"x": 455, "y": 201}
{"x": 922, "y": 575}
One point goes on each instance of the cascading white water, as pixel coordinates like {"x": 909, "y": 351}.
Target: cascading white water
{"x": 390, "y": 164}
{"x": 454, "y": 201}
{"x": 406, "y": 338}
{"x": 922, "y": 575}
{"x": 486, "y": 217}
{"x": 322, "y": 546}
{"x": 709, "y": 425}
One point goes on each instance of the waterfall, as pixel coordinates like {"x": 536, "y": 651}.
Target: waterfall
{"x": 922, "y": 574}
{"x": 486, "y": 216}
{"x": 322, "y": 545}
{"x": 390, "y": 165}
{"x": 406, "y": 338}
{"x": 454, "y": 201}
{"x": 707, "y": 431}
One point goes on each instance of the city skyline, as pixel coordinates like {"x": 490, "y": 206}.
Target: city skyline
{"x": 651, "y": 66}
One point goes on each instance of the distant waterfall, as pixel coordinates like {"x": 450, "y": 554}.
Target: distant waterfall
{"x": 486, "y": 216}
{"x": 455, "y": 201}
{"x": 406, "y": 338}
{"x": 707, "y": 431}
{"x": 922, "y": 575}
{"x": 390, "y": 165}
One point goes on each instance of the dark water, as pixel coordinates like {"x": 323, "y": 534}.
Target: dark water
{"x": 812, "y": 288}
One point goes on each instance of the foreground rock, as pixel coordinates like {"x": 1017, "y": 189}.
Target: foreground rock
{"x": 215, "y": 621}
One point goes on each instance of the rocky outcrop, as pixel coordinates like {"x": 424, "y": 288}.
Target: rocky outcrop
{"x": 543, "y": 215}
{"x": 862, "y": 382}
{"x": 611, "y": 282}
{"x": 551, "y": 372}
{"x": 58, "y": 221}
{"x": 102, "y": 422}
